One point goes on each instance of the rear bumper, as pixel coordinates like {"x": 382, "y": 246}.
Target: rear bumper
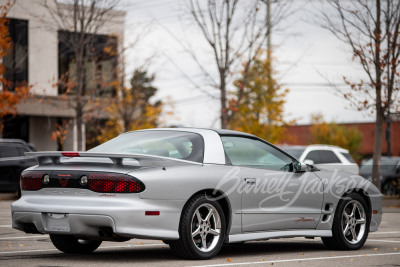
{"x": 86, "y": 216}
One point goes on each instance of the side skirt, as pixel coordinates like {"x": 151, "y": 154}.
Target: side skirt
{"x": 278, "y": 234}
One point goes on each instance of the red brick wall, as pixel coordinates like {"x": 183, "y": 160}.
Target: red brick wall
{"x": 302, "y": 136}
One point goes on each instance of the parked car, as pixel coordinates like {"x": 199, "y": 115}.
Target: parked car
{"x": 390, "y": 174}
{"x": 324, "y": 156}
{"x": 12, "y": 162}
{"x": 195, "y": 189}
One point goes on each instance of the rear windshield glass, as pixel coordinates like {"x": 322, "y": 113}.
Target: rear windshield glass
{"x": 348, "y": 157}
{"x": 179, "y": 145}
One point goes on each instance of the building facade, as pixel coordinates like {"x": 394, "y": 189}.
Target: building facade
{"x": 42, "y": 58}
{"x": 303, "y": 136}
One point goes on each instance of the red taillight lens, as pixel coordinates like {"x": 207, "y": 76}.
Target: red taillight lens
{"x": 114, "y": 183}
{"x": 31, "y": 181}
{"x": 70, "y": 154}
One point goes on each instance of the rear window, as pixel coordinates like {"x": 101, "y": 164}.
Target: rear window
{"x": 348, "y": 157}
{"x": 172, "y": 144}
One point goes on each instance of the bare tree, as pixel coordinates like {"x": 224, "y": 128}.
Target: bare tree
{"x": 371, "y": 29}
{"x": 235, "y": 31}
{"x": 80, "y": 21}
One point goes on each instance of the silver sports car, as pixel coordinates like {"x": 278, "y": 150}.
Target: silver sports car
{"x": 195, "y": 189}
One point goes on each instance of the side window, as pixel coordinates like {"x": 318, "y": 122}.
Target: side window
{"x": 8, "y": 151}
{"x": 314, "y": 156}
{"x": 22, "y": 150}
{"x": 328, "y": 156}
{"x": 248, "y": 152}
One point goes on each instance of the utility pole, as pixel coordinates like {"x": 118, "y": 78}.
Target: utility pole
{"x": 268, "y": 18}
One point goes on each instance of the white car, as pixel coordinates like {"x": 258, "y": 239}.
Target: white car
{"x": 325, "y": 157}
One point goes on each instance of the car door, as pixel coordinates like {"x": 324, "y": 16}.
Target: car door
{"x": 273, "y": 196}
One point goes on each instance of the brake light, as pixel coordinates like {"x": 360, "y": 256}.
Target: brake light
{"x": 31, "y": 181}
{"x": 70, "y": 154}
{"x": 114, "y": 183}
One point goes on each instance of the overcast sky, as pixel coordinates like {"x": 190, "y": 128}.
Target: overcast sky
{"x": 307, "y": 58}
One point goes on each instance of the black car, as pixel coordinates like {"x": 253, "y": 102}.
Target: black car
{"x": 390, "y": 174}
{"x": 12, "y": 162}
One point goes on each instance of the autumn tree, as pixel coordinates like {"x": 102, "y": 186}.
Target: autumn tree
{"x": 259, "y": 103}
{"x": 234, "y": 31}
{"x": 331, "y": 133}
{"x": 371, "y": 29}
{"x": 80, "y": 21}
{"x": 131, "y": 109}
{"x": 10, "y": 94}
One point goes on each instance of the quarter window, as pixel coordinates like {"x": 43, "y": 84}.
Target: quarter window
{"x": 254, "y": 153}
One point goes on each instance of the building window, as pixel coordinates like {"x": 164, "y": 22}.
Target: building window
{"x": 99, "y": 67}
{"x": 16, "y": 62}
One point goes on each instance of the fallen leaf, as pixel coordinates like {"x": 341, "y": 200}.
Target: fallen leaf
{"x": 375, "y": 248}
{"x": 271, "y": 263}
{"x": 139, "y": 243}
{"x": 330, "y": 255}
{"x": 262, "y": 260}
{"x": 394, "y": 248}
{"x": 229, "y": 259}
{"x": 301, "y": 253}
{"x": 21, "y": 245}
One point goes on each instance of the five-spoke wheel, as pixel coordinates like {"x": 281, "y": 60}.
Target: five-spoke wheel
{"x": 350, "y": 224}
{"x": 202, "y": 229}
{"x": 353, "y": 221}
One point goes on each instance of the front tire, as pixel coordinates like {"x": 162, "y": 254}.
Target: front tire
{"x": 201, "y": 230}
{"x": 72, "y": 245}
{"x": 350, "y": 225}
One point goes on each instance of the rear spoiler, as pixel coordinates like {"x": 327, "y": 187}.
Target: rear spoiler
{"x": 144, "y": 160}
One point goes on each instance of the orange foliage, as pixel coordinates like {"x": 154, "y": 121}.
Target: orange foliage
{"x": 8, "y": 99}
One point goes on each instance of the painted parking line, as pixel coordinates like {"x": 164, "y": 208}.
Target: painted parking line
{"x": 388, "y": 241}
{"x": 299, "y": 259}
{"x": 108, "y": 247}
{"x": 377, "y": 233}
{"x": 23, "y": 237}
{"x": 6, "y": 226}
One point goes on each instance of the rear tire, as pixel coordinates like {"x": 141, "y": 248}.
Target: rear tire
{"x": 72, "y": 245}
{"x": 350, "y": 224}
{"x": 202, "y": 229}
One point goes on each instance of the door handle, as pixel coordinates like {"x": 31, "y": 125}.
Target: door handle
{"x": 250, "y": 180}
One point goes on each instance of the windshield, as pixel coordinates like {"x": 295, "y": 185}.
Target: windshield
{"x": 172, "y": 144}
{"x": 295, "y": 152}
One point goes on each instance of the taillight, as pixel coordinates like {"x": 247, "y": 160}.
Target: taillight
{"x": 114, "y": 183}
{"x": 31, "y": 180}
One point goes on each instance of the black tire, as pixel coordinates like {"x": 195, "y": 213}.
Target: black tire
{"x": 72, "y": 245}
{"x": 194, "y": 248}
{"x": 389, "y": 188}
{"x": 341, "y": 240}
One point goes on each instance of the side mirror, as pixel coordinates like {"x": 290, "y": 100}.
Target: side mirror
{"x": 299, "y": 167}
{"x": 309, "y": 161}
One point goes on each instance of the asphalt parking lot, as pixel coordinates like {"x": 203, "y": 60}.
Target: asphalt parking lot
{"x": 381, "y": 249}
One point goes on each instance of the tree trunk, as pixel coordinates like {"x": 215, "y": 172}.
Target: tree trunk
{"x": 376, "y": 177}
{"x": 224, "y": 111}
{"x": 79, "y": 131}
{"x": 376, "y": 162}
